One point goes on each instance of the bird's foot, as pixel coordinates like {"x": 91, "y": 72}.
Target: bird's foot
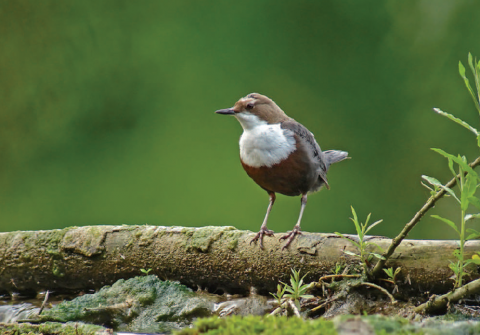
{"x": 259, "y": 236}
{"x": 290, "y": 236}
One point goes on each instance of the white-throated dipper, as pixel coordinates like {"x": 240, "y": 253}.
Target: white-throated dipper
{"x": 280, "y": 155}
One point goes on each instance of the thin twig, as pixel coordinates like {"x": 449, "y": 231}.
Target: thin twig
{"x": 295, "y": 309}
{"x": 44, "y": 302}
{"x": 409, "y": 226}
{"x": 327, "y": 301}
{"x": 338, "y": 276}
{"x": 441, "y": 301}
{"x": 381, "y": 289}
{"x": 276, "y": 311}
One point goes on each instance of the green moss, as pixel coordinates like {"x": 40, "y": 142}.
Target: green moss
{"x": 203, "y": 237}
{"x": 140, "y": 304}
{"x": 259, "y": 325}
{"x": 50, "y": 328}
{"x": 57, "y": 269}
{"x": 381, "y": 325}
{"x": 345, "y": 324}
{"x": 232, "y": 244}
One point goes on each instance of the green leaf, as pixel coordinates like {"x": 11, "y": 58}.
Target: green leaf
{"x": 358, "y": 228}
{"x": 458, "y": 255}
{"x": 457, "y": 120}
{"x": 432, "y": 191}
{"x": 461, "y": 70}
{"x": 355, "y": 218}
{"x": 474, "y": 201}
{"x": 473, "y": 237}
{"x": 476, "y": 259}
{"x": 470, "y": 217}
{"x": 368, "y": 219}
{"x": 457, "y": 160}
{"x": 470, "y": 62}
{"x": 452, "y": 169}
{"x": 378, "y": 256}
{"x": 350, "y": 253}
{"x": 447, "y": 221}
{"x": 349, "y": 240}
{"x": 373, "y": 225}
{"x": 297, "y": 304}
{"x": 375, "y": 244}
{"x": 475, "y": 75}
{"x": 469, "y": 188}
{"x": 454, "y": 267}
{"x": 435, "y": 182}
{"x": 473, "y": 234}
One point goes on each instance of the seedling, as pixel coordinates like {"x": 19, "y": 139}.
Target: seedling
{"x": 466, "y": 179}
{"x": 296, "y": 290}
{"x": 146, "y": 272}
{"x": 362, "y": 229}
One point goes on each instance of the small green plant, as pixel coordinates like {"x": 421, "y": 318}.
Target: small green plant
{"x": 468, "y": 182}
{"x": 391, "y": 274}
{"x": 280, "y": 293}
{"x": 338, "y": 268}
{"x": 466, "y": 179}
{"x": 392, "y": 277}
{"x": 146, "y": 272}
{"x": 296, "y": 290}
{"x": 362, "y": 229}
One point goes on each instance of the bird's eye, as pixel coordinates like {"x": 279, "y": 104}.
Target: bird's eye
{"x": 250, "y": 105}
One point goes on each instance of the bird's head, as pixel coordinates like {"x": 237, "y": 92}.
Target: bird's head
{"x": 255, "y": 109}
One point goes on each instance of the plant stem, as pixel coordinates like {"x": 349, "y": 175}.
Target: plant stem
{"x": 462, "y": 246}
{"x": 441, "y": 301}
{"x": 392, "y": 299}
{"x": 458, "y": 280}
{"x": 409, "y": 226}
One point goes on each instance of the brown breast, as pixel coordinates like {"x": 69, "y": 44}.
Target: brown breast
{"x": 293, "y": 176}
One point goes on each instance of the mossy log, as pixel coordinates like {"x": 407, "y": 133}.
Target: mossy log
{"x": 218, "y": 258}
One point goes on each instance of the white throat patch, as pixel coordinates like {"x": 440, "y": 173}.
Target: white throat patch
{"x": 263, "y": 144}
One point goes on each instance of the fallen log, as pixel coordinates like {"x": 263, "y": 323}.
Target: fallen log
{"x": 217, "y": 258}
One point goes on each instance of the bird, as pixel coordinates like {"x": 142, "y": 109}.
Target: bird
{"x": 280, "y": 155}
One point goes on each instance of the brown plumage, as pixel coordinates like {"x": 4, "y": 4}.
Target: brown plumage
{"x": 280, "y": 155}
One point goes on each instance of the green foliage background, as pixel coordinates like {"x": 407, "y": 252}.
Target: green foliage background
{"x": 106, "y": 108}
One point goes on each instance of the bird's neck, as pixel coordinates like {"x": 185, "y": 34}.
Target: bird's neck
{"x": 250, "y": 121}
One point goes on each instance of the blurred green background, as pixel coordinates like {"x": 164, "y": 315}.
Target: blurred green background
{"x": 107, "y": 108}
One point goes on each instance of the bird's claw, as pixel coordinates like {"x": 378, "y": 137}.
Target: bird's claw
{"x": 290, "y": 236}
{"x": 260, "y": 234}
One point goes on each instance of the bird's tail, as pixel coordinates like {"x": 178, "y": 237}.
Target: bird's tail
{"x": 334, "y": 156}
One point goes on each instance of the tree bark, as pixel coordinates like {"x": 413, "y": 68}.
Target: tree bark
{"x": 218, "y": 258}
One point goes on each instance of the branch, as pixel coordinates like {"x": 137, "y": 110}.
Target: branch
{"x": 392, "y": 299}
{"x": 441, "y": 301}
{"x": 409, "y": 226}
{"x": 81, "y": 258}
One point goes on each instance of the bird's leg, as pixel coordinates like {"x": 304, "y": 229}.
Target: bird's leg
{"x": 263, "y": 228}
{"x": 296, "y": 230}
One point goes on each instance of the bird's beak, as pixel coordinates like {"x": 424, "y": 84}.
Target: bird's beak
{"x": 226, "y": 111}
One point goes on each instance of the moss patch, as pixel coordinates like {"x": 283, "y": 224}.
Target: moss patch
{"x": 260, "y": 325}
{"x": 203, "y": 237}
{"x": 140, "y": 304}
{"x": 50, "y": 328}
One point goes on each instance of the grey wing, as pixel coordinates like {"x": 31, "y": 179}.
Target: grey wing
{"x": 308, "y": 138}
